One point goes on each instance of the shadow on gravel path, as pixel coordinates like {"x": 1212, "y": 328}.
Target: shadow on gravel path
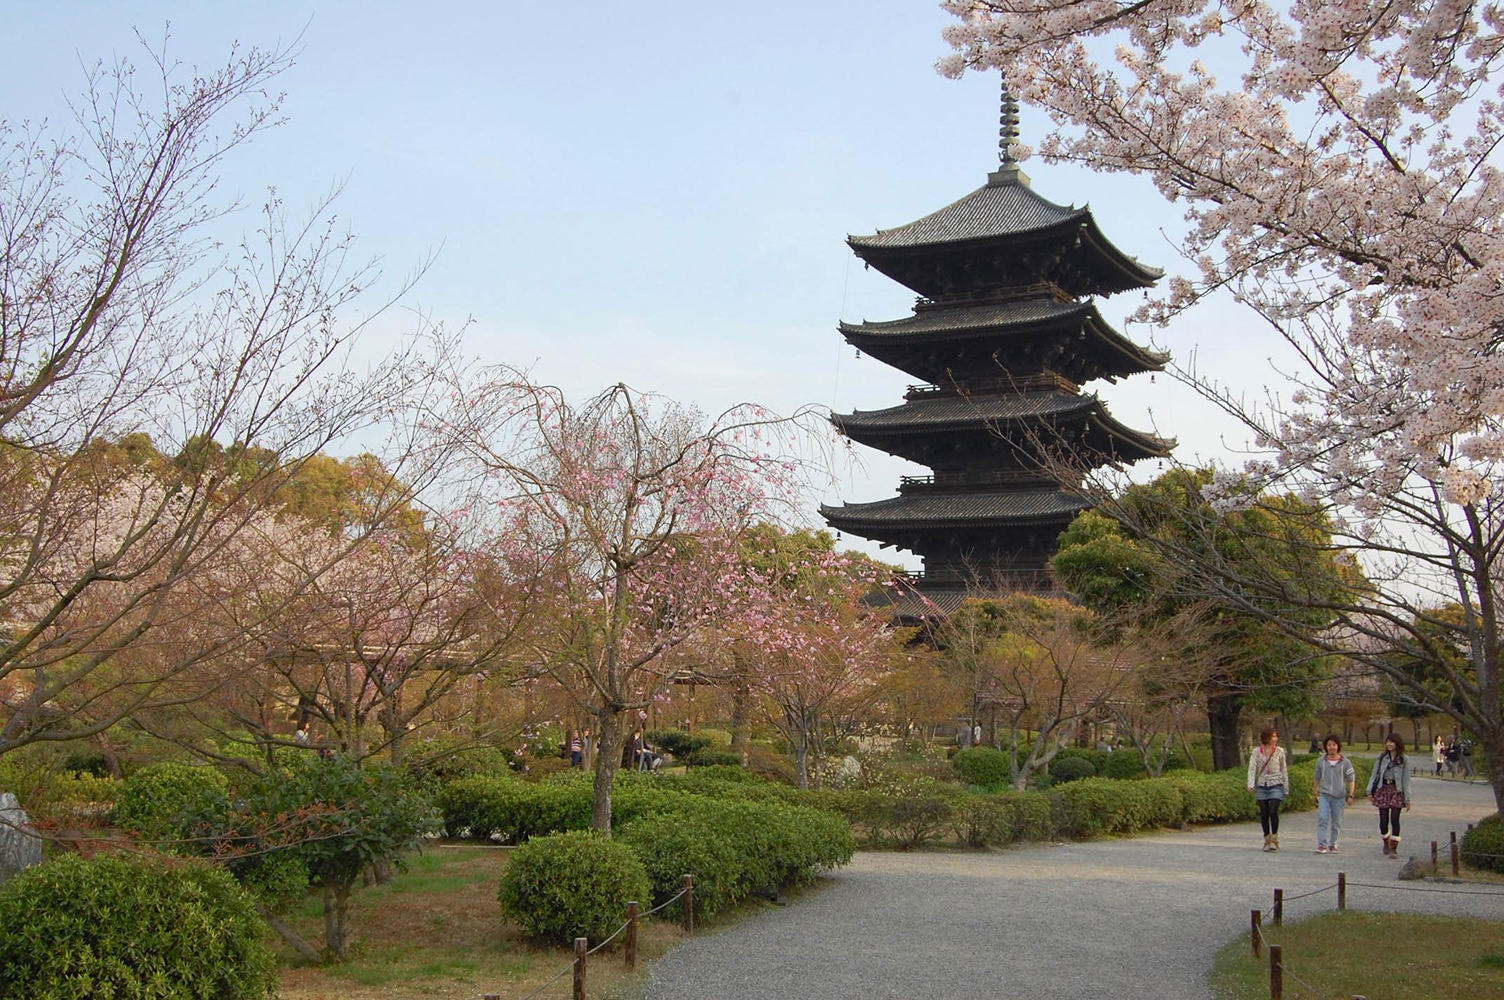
{"x": 1134, "y": 918}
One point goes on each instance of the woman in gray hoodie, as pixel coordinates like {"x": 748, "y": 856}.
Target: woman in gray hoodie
{"x": 1336, "y": 781}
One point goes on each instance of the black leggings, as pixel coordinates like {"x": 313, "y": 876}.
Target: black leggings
{"x": 1389, "y": 818}
{"x": 1269, "y": 815}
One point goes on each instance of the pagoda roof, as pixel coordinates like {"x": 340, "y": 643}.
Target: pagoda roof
{"x": 934, "y": 510}
{"x": 906, "y": 601}
{"x": 939, "y": 324}
{"x": 980, "y": 412}
{"x": 1004, "y": 212}
{"x": 992, "y": 210}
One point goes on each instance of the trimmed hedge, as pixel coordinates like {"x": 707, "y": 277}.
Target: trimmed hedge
{"x": 568, "y": 885}
{"x": 132, "y": 929}
{"x": 515, "y": 810}
{"x": 713, "y": 758}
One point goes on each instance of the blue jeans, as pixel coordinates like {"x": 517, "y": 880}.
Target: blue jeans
{"x": 1329, "y": 819}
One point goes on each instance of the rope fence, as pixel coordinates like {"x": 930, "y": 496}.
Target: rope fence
{"x": 582, "y": 951}
{"x": 1279, "y": 971}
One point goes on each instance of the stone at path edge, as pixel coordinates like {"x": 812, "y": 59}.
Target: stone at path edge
{"x": 18, "y": 849}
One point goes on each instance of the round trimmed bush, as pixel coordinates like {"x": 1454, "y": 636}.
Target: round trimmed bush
{"x": 1483, "y": 845}
{"x": 133, "y": 929}
{"x": 1123, "y": 764}
{"x": 574, "y": 884}
{"x": 983, "y": 767}
{"x": 1071, "y": 769}
{"x": 155, "y": 797}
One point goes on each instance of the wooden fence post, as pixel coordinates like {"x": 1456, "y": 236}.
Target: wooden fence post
{"x": 631, "y": 942}
{"x": 1276, "y": 973}
{"x": 1454, "y": 853}
{"x": 689, "y": 904}
{"x": 581, "y": 949}
{"x": 1342, "y": 890}
{"x": 1255, "y": 919}
{"x": 1279, "y": 907}
{"x": 1433, "y": 857}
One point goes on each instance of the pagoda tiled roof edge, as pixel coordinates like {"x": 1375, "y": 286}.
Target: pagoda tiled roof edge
{"x": 1004, "y": 507}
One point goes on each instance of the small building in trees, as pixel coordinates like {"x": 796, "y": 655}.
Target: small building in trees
{"x": 1003, "y": 335}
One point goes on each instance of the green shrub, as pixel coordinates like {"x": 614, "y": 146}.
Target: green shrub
{"x": 673, "y": 845}
{"x": 1096, "y": 758}
{"x": 678, "y": 742}
{"x": 1483, "y": 845}
{"x": 155, "y": 798}
{"x": 734, "y": 773}
{"x": 434, "y": 760}
{"x": 1123, "y": 764}
{"x": 575, "y": 884}
{"x": 131, "y": 929}
{"x": 72, "y": 798}
{"x": 1094, "y": 806}
{"x": 983, "y": 767}
{"x": 1070, "y": 769}
{"x": 514, "y": 810}
{"x": 713, "y": 758}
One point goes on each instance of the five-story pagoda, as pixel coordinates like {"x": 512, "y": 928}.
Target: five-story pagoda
{"x": 1002, "y": 338}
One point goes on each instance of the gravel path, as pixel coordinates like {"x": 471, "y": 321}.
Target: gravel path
{"x": 1138, "y": 917}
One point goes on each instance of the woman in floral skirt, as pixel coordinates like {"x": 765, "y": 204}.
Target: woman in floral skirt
{"x": 1389, "y": 790}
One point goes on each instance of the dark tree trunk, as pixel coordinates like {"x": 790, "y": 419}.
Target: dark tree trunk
{"x": 607, "y": 762}
{"x": 336, "y": 920}
{"x": 741, "y": 719}
{"x": 1222, "y": 712}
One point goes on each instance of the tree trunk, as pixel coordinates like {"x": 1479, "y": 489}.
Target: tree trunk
{"x": 741, "y": 719}
{"x": 1222, "y": 711}
{"x": 336, "y": 920}
{"x": 607, "y": 761}
{"x": 291, "y": 936}
{"x": 1493, "y": 753}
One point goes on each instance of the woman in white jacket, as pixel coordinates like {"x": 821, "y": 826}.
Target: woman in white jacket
{"x": 1269, "y": 781}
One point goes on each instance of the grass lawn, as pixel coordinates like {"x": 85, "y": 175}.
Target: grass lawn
{"x": 438, "y": 932}
{"x": 1337, "y": 954}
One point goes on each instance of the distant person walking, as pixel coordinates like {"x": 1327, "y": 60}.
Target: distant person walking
{"x": 1439, "y": 754}
{"x": 1336, "y": 781}
{"x": 576, "y": 749}
{"x": 1269, "y": 781}
{"x": 1465, "y": 758}
{"x": 1389, "y": 790}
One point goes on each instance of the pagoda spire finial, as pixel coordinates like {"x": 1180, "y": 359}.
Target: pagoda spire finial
{"x": 1008, "y": 170}
{"x": 1007, "y": 125}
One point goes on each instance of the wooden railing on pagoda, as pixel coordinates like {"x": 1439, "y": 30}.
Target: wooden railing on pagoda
{"x": 1045, "y": 381}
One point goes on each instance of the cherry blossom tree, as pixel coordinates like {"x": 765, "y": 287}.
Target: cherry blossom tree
{"x": 633, "y": 509}
{"x": 161, "y": 381}
{"x": 807, "y": 643}
{"x": 1339, "y": 175}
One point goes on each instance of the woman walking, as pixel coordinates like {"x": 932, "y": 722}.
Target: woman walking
{"x": 1389, "y": 789}
{"x": 1336, "y": 780}
{"x": 1439, "y": 754}
{"x": 1269, "y": 781}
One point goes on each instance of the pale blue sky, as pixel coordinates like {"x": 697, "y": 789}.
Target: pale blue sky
{"x": 655, "y": 193}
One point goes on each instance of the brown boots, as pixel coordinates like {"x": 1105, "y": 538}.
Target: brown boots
{"x": 1271, "y": 841}
{"x": 1392, "y": 847}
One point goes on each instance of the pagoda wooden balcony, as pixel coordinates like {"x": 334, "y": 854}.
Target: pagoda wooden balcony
{"x": 1045, "y": 381}
{"x": 941, "y": 481}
